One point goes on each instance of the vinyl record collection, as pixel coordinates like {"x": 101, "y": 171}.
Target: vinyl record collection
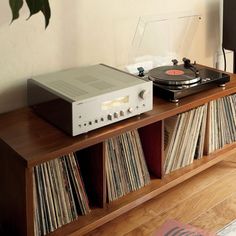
{"x": 59, "y": 194}
{"x": 184, "y": 138}
{"x": 221, "y": 129}
{"x": 126, "y": 168}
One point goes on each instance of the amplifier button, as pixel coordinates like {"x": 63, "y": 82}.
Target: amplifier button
{"x": 116, "y": 115}
{"x": 130, "y": 110}
{"x": 109, "y": 117}
{"x": 122, "y": 113}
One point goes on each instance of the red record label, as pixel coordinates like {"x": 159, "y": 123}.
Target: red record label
{"x": 174, "y": 72}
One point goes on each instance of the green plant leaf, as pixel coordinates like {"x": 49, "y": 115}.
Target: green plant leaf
{"x": 34, "y": 6}
{"x": 15, "y": 6}
{"x": 40, "y": 5}
{"x": 46, "y": 11}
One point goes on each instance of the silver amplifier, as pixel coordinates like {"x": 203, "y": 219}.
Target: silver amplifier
{"x": 82, "y": 99}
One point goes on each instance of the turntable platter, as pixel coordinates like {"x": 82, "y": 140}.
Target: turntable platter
{"x": 173, "y": 75}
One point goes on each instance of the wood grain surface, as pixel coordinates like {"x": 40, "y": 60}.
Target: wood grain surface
{"x": 207, "y": 201}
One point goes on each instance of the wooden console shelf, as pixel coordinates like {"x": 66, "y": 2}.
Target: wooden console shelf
{"x": 26, "y": 141}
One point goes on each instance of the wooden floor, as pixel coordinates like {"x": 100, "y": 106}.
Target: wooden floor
{"x": 207, "y": 200}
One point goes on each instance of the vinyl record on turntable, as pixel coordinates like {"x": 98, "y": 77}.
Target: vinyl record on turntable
{"x": 177, "y": 81}
{"x": 173, "y": 75}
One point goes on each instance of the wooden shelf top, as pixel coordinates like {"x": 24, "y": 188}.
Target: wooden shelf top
{"x": 36, "y": 141}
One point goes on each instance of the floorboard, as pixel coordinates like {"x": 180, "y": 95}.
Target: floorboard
{"x": 207, "y": 200}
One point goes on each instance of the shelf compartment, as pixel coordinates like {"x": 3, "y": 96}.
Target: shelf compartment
{"x": 126, "y": 168}
{"x": 92, "y": 166}
{"x": 184, "y": 138}
{"x": 152, "y": 142}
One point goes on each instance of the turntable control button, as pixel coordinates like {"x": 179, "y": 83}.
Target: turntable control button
{"x": 122, "y": 113}
{"x": 143, "y": 94}
{"x": 109, "y": 117}
{"x": 130, "y": 110}
{"x": 116, "y": 115}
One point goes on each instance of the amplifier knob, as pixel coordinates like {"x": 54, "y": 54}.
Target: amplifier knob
{"x": 116, "y": 115}
{"x": 109, "y": 117}
{"x": 130, "y": 110}
{"x": 143, "y": 94}
{"x": 122, "y": 113}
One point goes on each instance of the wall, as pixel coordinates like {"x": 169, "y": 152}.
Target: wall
{"x": 83, "y": 32}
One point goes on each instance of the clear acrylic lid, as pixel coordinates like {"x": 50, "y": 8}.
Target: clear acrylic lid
{"x": 160, "y": 38}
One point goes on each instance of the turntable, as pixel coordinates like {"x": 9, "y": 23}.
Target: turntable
{"x": 177, "y": 81}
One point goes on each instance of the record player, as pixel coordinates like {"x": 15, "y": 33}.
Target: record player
{"x": 177, "y": 34}
{"x": 177, "y": 81}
